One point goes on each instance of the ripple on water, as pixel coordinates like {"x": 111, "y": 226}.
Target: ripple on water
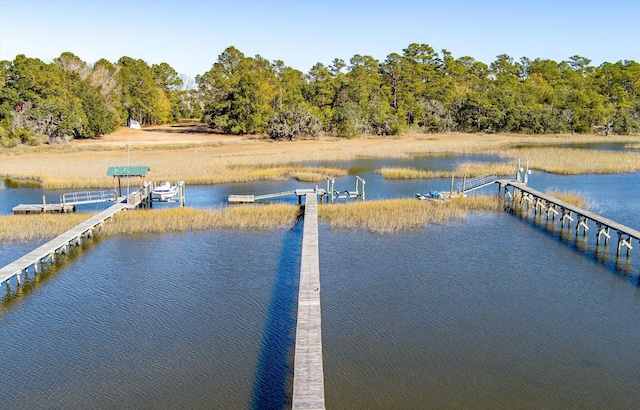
{"x": 170, "y": 321}
{"x": 487, "y": 313}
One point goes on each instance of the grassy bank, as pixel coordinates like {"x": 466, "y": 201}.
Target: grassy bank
{"x": 468, "y": 168}
{"x": 568, "y": 161}
{"x": 402, "y": 214}
{"x": 375, "y": 216}
{"x": 207, "y": 159}
{"x": 571, "y": 197}
{"x": 24, "y": 228}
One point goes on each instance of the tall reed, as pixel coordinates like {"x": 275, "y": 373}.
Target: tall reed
{"x": 232, "y": 159}
{"x": 25, "y": 228}
{"x": 376, "y": 216}
{"x": 411, "y": 173}
{"x": 241, "y": 217}
{"x": 402, "y": 214}
{"x": 571, "y": 197}
{"x": 568, "y": 161}
{"x": 468, "y": 168}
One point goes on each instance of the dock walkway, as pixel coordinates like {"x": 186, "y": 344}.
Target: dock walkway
{"x": 249, "y": 199}
{"x": 554, "y": 206}
{"x": 58, "y": 244}
{"x": 308, "y": 373}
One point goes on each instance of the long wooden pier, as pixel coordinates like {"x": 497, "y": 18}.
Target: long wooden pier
{"x": 553, "y": 207}
{"x": 59, "y": 245}
{"x": 308, "y": 373}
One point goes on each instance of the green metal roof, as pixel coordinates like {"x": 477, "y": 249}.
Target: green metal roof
{"x": 131, "y": 171}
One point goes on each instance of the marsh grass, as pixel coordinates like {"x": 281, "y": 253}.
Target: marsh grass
{"x": 206, "y": 159}
{"x": 402, "y": 214}
{"x": 411, "y": 173}
{"x": 468, "y": 168}
{"x": 570, "y": 161}
{"x": 570, "y": 197}
{"x": 240, "y": 217}
{"x": 473, "y": 169}
{"x": 375, "y": 216}
{"x": 25, "y": 228}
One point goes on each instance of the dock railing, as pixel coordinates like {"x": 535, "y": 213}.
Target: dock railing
{"x": 87, "y": 197}
{"x": 477, "y": 182}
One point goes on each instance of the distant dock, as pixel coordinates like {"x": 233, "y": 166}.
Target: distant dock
{"x": 43, "y": 208}
{"x": 567, "y": 213}
{"x": 249, "y": 199}
{"x": 59, "y": 245}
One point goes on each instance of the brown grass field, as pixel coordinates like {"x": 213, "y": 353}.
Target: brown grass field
{"x": 191, "y": 152}
{"x": 374, "y": 216}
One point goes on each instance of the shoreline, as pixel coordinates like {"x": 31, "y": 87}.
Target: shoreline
{"x": 211, "y": 159}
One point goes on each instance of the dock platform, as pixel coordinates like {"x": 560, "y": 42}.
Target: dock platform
{"x": 249, "y": 199}
{"x": 43, "y": 208}
{"x": 308, "y": 373}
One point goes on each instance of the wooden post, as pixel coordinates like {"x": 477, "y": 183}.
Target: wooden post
{"x": 451, "y": 187}
{"x": 362, "y": 183}
{"x": 619, "y": 244}
{"x": 464, "y": 181}
{"x": 357, "y": 193}
{"x": 181, "y": 191}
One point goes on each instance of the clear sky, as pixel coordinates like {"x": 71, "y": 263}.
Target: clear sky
{"x": 190, "y": 35}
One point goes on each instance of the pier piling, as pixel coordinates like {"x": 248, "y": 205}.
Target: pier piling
{"x": 571, "y": 213}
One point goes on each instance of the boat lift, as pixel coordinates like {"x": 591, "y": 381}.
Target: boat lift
{"x": 333, "y": 194}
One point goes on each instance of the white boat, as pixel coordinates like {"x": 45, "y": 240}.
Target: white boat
{"x": 164, "y": 192}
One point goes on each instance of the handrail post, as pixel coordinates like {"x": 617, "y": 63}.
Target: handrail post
{"x": 451, "y": 186}
{"x": 464, "y": 181}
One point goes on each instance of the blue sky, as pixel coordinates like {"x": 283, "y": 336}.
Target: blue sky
{"x": 189, "y": 35}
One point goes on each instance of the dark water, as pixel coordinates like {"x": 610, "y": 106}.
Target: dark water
{"x": 485, "y": 314}
{"x": 173, "y": 321}
{"x": 497, "y": 311}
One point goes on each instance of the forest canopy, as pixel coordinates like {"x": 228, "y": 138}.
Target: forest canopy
{"x": 418, "y": 89}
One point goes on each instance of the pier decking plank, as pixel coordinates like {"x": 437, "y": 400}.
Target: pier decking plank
{"x": 43, "y": 208}
{"x": 308, "y": 373}
{"x": 35, "y": 256}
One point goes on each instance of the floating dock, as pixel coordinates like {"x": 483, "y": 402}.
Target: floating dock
{"x": 308, "y": 373}
{"x": 43, "y": 208}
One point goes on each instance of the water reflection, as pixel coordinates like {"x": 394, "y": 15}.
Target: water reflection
{"x": 492, "y": 312}
{"x": 484, "y": 314}
{"x": 586, "y": 244}
{"x": 272, "y": 387}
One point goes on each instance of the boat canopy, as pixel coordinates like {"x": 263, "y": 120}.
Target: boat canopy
{"x": 128, "y": 171}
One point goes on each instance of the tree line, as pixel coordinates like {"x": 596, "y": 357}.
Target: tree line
{"x": 69, "y": 98}
{"x": 419, "y": 89}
